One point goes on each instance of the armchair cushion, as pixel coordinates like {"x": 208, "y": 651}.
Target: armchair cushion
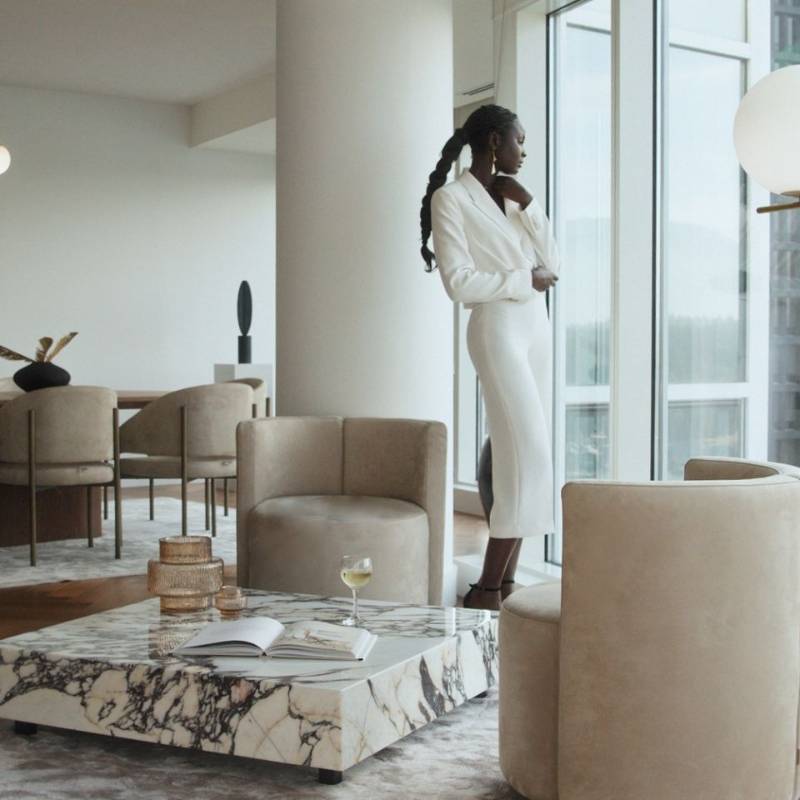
{"x": 299, "y": 541}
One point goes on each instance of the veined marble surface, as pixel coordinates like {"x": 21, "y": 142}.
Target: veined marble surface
{"x": 112, "y": 673}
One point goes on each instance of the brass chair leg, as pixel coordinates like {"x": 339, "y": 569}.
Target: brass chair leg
{"x": 152, "y": 501}
{"x": 213, "y": 507}
{"x": 117, "y": 490}
{"x": 225, "y": 495}
{"x": 207, "y": 503}
{"x": 105, "y": 502}
{"x": 90, "y": 532}
{"x": 32, "y": 483}
{"x": 184, "y": 471}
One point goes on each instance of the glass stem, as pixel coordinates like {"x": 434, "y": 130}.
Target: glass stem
{"x": 355, "y": 604}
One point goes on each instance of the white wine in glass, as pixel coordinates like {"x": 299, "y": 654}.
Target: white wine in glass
{"x": 356, "y": 572}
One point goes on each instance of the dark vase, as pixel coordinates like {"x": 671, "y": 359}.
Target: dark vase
{"x": 40, "y": 375}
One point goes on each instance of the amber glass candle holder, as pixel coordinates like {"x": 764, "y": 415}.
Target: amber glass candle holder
{"x": 229, "y": 601}
{"x": 186, "y": 576}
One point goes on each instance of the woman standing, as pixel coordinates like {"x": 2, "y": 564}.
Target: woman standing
{"x": 496, "y": 254}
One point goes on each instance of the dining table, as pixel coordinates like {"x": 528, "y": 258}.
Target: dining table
{"x": 62, "y": 511}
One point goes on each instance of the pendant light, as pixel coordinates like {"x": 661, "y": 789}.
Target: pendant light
{"x": 5, "y": 159}
{"x": 765, "y": 134}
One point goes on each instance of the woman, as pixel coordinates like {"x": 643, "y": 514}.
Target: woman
{"x": 496, "y": 254}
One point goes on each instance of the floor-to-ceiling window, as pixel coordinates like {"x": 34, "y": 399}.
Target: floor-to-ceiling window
{"x": 713, "y": 269}
{"x": 580, "y": 207}
{"x": 677, "y": 316}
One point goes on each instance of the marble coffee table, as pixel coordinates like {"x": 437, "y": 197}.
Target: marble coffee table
{"x": 111, "y": 674}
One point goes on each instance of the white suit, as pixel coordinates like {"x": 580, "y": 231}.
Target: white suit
{"x": 485, "y": 259}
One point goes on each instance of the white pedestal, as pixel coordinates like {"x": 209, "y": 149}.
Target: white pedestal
{"x": 232, "y": 372}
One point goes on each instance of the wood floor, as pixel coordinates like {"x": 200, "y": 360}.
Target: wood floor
{"x": 28, "y": 608}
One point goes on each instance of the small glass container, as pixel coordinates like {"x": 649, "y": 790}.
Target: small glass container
{"x": 230, "y": 600}
{"x": 186, "y": 576}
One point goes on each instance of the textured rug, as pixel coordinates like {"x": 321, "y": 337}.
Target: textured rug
{"x": 72, "y": 560}
{"x": 453, "y": 758}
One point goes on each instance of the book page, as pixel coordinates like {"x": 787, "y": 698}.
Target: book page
{"x": 322, "y": 636}
{"x": 260, "y": 632}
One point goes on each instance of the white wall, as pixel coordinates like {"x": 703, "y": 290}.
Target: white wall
{"x": 111, "y": 225}
{"x": 473, "y": 52}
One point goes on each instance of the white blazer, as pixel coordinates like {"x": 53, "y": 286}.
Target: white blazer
{"x": 482, "y": 254}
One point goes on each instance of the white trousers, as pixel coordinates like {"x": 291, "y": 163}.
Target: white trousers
{"x": 510, "y": 344}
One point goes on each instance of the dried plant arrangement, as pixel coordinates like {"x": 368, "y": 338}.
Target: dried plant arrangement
{"x": 43, "y": 352}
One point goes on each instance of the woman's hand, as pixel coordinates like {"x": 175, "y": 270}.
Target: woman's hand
{"x": 542, "y": 279}
{"x": 506, "y": 186}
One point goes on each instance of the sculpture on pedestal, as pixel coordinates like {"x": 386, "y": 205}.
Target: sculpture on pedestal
{"x": 244, "y": 311}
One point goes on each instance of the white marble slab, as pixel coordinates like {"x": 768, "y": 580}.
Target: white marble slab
{"x": 111, "y": 673}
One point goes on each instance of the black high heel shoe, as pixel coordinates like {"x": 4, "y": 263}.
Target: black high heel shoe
{"x": 480, "y": 588}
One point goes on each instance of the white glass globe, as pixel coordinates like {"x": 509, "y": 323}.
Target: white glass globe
{"x": 5, "y": 159}
{"x": 766, "y": 129}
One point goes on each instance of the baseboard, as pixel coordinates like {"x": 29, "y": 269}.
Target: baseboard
{"x": 469, "y": 571}
{"x": 466, "y": 500}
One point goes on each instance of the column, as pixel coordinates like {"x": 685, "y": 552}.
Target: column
{"x": 364, "y": 106}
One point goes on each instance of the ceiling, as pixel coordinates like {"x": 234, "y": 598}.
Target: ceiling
{"x": 175, "y": 51}
{"x": 178, "y": 51}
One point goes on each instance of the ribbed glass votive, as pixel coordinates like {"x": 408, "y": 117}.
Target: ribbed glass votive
{"x": 184, "y": 549}
{"x": 229, "y": 601}
{"x": 186, "y": 576}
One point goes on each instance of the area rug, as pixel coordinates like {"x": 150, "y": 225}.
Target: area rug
{"x": 72, "y": 560}
{"x": 452, "y": 758}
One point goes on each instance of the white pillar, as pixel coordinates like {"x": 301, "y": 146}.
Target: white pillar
{"x": 364, "y": 106}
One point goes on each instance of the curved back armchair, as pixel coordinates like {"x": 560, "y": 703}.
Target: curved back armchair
{"x": 311, "y": 489}
{"x": 73, "y": 425}
{"x": 666, "y": 664}
{"x": 212, "y": 413}
{"x": 187, "y": 434}
{"x": 62, "y": 436}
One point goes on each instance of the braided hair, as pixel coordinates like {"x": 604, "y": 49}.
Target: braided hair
{"x": 480, "y": 124}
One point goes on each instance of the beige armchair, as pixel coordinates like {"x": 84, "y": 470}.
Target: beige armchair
{"x": 186, "y": 435}
{"x": 312, "y": 489}
{"x": 62, "y": 436}
{"x": 666, "y": 663}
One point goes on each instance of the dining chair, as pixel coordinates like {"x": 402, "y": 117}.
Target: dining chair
{"x": 260, "y": 402}
{"x": 62, "y": 436}
{"x": 187, "y": 435}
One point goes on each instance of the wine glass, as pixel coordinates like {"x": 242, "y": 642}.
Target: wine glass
{"x": 356, "y": 572}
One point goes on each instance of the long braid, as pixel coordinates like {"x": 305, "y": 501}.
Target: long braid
{"x": 476, "y": 131}
{"x": 450, "y": 152}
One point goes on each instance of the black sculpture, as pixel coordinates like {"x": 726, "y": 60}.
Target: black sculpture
{"x": 244, "y": 311}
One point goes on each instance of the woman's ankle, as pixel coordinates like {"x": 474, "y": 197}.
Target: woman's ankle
{"x": 489, "y": 598}
{"x": 509, "y": 586}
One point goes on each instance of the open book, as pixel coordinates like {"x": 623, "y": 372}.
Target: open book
{"x": 260, "y": 636}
